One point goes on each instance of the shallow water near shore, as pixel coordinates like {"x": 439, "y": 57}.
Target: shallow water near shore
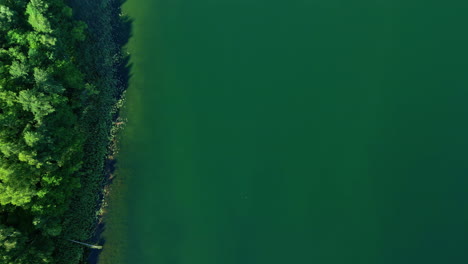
{"x": 268, "y": 132}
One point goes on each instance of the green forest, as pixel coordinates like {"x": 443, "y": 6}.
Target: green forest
{"x": 58, "y": 96}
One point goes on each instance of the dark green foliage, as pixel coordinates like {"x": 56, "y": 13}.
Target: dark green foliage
{"x": 57, "y": 90}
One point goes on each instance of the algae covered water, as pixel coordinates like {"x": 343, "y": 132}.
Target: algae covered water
{"x": 326, "y": 132}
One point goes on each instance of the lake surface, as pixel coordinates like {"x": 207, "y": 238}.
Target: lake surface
{"x": 313, "y": 131}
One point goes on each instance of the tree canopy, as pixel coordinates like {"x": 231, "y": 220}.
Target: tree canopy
{"x": 43, "y": 96}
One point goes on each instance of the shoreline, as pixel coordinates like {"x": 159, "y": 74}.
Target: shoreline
{"x": 108, "y": 32}
{"x": 92, "y": 256}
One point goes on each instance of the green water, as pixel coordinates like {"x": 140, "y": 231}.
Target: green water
{"x": 313, "y": 131}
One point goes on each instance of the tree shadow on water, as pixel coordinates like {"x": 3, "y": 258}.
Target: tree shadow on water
{"x": 93, "y": 254}
{"x": 121, "y": 34}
